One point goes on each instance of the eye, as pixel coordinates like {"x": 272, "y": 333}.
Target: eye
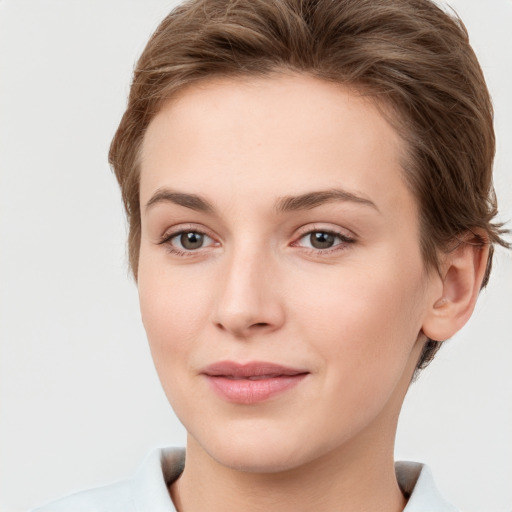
{"x": 321, "y": 239}
{"x": 190, "y": 240}
{"x": 324, "y": 240}
{"x": 186, "y": 241}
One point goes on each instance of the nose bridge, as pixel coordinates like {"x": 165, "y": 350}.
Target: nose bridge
{"x": 248, "y": 299}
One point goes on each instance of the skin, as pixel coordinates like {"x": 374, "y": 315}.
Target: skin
{"x": 354, "y": 316}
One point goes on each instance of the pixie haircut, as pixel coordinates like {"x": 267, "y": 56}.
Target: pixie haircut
{"x": 409, "y": 56}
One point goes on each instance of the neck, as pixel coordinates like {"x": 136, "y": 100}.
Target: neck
{"x": 346, "y": 479}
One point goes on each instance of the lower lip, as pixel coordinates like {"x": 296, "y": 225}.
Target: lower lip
{"x": 246, "y": 391}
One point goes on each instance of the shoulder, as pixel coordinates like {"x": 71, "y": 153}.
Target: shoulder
{"x": 147, "y": 490}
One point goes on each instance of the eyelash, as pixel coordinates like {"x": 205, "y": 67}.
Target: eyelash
{"x": 167, "y": 237}
{"x": 343, "y": 239}
{"x": 344, "y": 242}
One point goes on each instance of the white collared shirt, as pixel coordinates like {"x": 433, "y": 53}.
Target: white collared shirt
{"x": 148, "y": 491}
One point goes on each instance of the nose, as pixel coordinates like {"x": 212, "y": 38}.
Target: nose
{"x": 249, "y": 299}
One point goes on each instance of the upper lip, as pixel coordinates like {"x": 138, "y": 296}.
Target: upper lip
{"x": 251, "y": 369}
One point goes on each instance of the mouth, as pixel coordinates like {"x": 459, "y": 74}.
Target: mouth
{"x": 252, "y": 382}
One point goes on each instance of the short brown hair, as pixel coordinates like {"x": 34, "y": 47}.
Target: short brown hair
{"x": 408, "y": 54}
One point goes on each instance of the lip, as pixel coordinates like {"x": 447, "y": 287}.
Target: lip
{"x": 252, "y": 382}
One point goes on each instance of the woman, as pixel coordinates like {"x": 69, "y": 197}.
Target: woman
{"x": 309, "y": 191}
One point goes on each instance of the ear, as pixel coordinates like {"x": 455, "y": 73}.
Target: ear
{"x": 462, "y": 272}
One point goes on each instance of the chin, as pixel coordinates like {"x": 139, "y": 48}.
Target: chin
{"x": 255, "y": 458}
{"x": 259, "y": 448}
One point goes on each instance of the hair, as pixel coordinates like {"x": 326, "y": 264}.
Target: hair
{"x": 409, "y": 55}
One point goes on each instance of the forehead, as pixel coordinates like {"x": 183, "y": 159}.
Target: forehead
{"x": 278, "y": 135}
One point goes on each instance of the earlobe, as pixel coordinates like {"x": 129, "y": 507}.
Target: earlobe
{"x": 462, "y": 273}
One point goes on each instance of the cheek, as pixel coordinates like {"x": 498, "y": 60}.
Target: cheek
{"x": 174, "y": 307}
{"x": 363, "y": 329}
{"x": 172, "y": 315}
{"x": 366, "y": 322}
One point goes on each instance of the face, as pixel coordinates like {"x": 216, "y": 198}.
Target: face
{"x": 280, "y": 278}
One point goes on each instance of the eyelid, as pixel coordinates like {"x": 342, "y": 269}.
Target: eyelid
{"x": 179, "y": 229}
{"x": 335, "y": 230}
{"x": 184, "y": 228}
{"x": 345, "y": 236}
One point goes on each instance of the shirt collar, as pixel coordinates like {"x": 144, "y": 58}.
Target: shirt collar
{"x": 416, "y": 481}
{"x": 165, "y": 465}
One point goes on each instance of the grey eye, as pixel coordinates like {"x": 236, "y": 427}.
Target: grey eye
{"x": 191, "y": 240}
{"x": 321, "y": 239}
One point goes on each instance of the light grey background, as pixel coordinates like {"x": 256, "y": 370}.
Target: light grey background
{"x": 80, "y": 404}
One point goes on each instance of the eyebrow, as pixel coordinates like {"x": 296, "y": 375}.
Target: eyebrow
{"x": 192, "y": 201}
{"x": 284, "y": 204}
{"x": 313, "y": 199}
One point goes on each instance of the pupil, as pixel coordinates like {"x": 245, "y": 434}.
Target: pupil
{"x": 191, "y": 240}
{"x": 320, "y": 240}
